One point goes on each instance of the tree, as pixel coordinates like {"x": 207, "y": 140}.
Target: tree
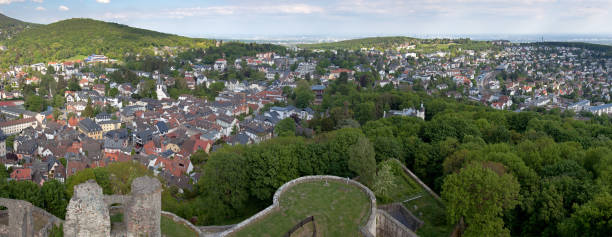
{"x": 35, "y": 103}
{"x": 199, "y": 157}
{"x": 113, "y": 92}
{"x": 56, "y": 113}
{"x": 285, "y": 127}
{"x": 225, "y": 184}
{"x": 480, "y": 196}
{"x": 55, "y": 199}
{"x": 58, "y": 101}
{"x": 362, "y": 161}
{"x": 89, "y": 110}
{"x": 384, "y": 181}
{"x": 303, "y": 95}
{"x": 594, "y": 218}
{"x": 10, "y": 142}
{"x": 272, "y": 164}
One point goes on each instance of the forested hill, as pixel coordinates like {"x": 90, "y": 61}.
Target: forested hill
{"x": 74, "y": 37}
{"x": 421, "y": 45}
{"x": 356, "y": 44}
{"x": 10, "y": 27}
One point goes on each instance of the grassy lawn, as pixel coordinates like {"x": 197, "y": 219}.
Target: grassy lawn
{"x": 73, "y": 58}
{"x": 405, "y": 187}
{"x": 170, "y": 228}
{"x": 338, "y": 209}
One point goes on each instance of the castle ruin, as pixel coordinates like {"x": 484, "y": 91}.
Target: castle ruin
{"x": 88, "y": 213}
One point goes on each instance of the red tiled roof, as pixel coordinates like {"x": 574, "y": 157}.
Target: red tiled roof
{"x": 22, "y": 174}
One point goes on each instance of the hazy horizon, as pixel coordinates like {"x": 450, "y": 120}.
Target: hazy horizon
{"x": 331, "y": 18}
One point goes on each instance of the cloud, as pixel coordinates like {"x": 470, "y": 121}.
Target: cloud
{"x": 63, "y": 8}
{"x": 39, "y": 8}
{"x": 38, "y": 1}
{"x": 179, "y": 13}
{"x": 103, "y": 1}
{"x": 6, "y": 2}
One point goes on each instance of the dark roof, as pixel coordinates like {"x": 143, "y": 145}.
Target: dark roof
{"x": 119, "y": 133}
{"x": 103, "y": 115}
{"x": 162, "y": 127}
{"x": 89, "y": 125}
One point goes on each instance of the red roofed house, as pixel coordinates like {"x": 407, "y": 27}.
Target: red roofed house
{"x": 336, "y": 73}
{"x": 176, "y": 166}
{"x": 20, "y": 174}
{"x": 192, "y": 145}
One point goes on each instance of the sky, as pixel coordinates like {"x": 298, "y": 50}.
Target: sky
{"x": 330, "y": 17}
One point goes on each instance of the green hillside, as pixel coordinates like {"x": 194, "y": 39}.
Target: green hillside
{"x": 356, "y": 44}
{"x": 9, "y": 27}
{"x": 69, "y": 38}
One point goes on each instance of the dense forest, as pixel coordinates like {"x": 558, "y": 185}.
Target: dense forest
{"x": 80, "y": 37}
{"x": 10, "y": 27}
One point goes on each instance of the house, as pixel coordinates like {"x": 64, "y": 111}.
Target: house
{"x": 442, "y": 87}
{"x": 580, "y": 106}
{"x": 228, "y": 124}
{"x": 100, "y": 88}
{"x": 410, "y": 112}
{"x": 336, "y": 73}
{"x": 95, "y": 58}
{"x": 20, "y": 174}
{"x": 601, "y": 109}
{"x": 2, "y": 144}
{"x": 110, "y": 125}
{"x": 90, "y": 128}
{"x": 162, "y": 128}
{"x": 220, "y": 65}
{"x": 192, "y": 145}
{"x": 143, "y": 137}
{"x": 102, "y": 116}
{"x": 11, "y": 127}
{"x": 318, "y": 90}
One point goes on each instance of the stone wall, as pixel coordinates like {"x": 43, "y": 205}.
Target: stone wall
{"x": 369, "y": 227}
{"x": 403, "y": 215}
{"x": 419, "y": 182}
{"x": 180, "y": 220}
{"x": 387, "y": 226}
{"x": 51, "y": 221}
{"x": 21, "y": 223}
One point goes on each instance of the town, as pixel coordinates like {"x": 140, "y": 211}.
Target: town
{"x": 100, "y": 120}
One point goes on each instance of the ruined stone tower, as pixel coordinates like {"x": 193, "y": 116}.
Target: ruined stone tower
{"x": 143, "y": 209}
{"x": 87, "y": 213}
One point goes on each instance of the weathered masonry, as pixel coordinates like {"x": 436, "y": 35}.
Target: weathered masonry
{"x": 20, "y": 223}
{"x": 88, "y": 212}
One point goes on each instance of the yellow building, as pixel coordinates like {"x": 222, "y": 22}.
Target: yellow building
{"x": 110, "y": 125}
{"x": 91, "y": 129}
